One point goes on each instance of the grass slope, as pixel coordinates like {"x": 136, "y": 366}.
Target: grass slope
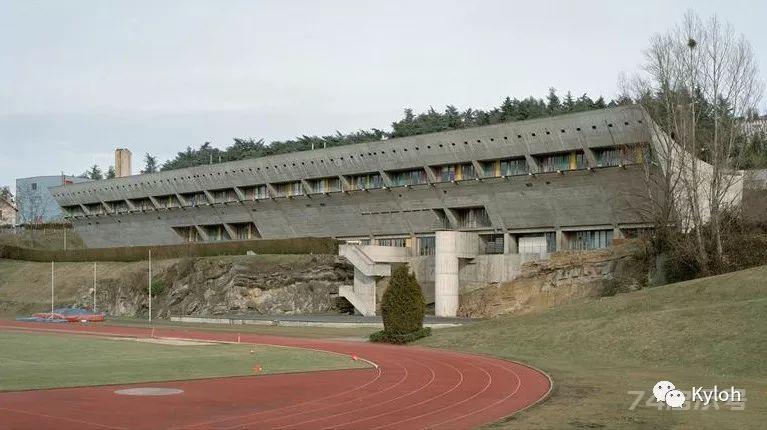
{"x": 35, "y": 360}
{"x": 705, "y": 332}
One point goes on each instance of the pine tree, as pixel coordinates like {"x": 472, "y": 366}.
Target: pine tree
{"x": 150, "y": 165}
{"x": 111, "y": 172}
{"x": 569, "y": 104}
{"x": 94, "y": 173}
{"x": 403, "y": 306}
{"x": 553, "y": 105}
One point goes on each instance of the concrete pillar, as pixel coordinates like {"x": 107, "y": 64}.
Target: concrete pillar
{"x": 561, "y": 242}
{"x": 510, "y": 245}
{"x": 446, "y": 284}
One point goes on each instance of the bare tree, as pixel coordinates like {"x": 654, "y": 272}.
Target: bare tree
{"x": 698, "y": 80}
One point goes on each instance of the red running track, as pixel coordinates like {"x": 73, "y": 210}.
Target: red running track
{"x": 412, "y": 388}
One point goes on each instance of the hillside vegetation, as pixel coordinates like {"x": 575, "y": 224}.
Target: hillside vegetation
{"x": 704, "y": 332}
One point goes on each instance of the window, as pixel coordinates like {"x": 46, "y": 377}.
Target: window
{"x": 365, "y": 182}
{"x": 491, "y": 244}
{"x": 508, "y": 167}
{"x": 34, "y": 186}
{"x": 456, "y": 172}
{"x": 255, "y": 193}
{"x": 325, "y": 185}
{"x": 195, "y": 199}
{"x": 617, "y": 156}
{"x": 408, "y": 177}
{"x": 188, "y": 233}
{"x": 167, "y": 202}
{"x": 587, "y": 240}
{"x": 118, "y": 206}
{"x": 289, "y": 189}
{"x": 400, "y": 242}
{"x": 216, "y": 232}
{"x": 538, "y": 243}
{"x": 245, "y": 231}
{"x": 472, "y": 218}
{"x": 224, "y": 195}
{"x": 560, "y": 162}
{"x": 74, "y": 210}
{"x": 426, "y": 245}
{"x": 95, "y": 208}
{"x": 143, "y": 204}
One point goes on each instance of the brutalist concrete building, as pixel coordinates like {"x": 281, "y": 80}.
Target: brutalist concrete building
{"x": 460, "y": 206}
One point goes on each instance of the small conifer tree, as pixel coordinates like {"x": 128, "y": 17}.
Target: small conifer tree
{"x": 403, "y": 306}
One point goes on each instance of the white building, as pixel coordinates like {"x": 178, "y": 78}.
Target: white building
{"x": 8, "y": 212}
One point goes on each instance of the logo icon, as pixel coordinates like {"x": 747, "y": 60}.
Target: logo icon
{"x": 666, "y": 392}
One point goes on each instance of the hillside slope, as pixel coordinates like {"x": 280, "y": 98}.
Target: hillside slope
{"x": 705, "y": 332}
{"x": 261, "y": 284}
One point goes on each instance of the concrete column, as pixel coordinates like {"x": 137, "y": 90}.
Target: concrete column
{"x": 510, "y": 244}
{"x": 561, "y": 243}
{"x": 446, "y": 284}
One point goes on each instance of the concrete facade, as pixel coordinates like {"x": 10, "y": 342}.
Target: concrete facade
{"x": 175, "y": 206}
{"x": 34, "y": 200}
{"x": 462, "y": 207}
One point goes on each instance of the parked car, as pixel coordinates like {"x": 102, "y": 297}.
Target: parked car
{"x": 71, "y": 315}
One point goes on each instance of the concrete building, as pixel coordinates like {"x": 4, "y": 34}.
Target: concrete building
{"x": 462, "y": 207}
{"x": 34, "y": 200}
{"x": 8, "y": 212}
{"x": 123, "y": 163}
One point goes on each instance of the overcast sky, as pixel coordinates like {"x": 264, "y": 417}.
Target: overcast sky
{"x": 79, "y": 78}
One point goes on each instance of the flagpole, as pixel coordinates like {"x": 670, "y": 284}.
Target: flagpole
{"x": 150, "y": 286}
{"x": 53, "y": 280}
{"x": 94, "y": 286}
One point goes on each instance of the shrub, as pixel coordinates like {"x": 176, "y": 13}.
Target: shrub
{"x": 383, "y": 336}
{"x": 158, "y": 288}
{"x": 403, "y": 306}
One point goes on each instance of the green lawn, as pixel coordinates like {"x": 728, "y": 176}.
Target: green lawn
{"x": 35, "y": 360}
{"x": 705, "y": 332}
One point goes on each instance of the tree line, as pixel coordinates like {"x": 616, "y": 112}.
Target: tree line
{"x": 411, "y": 124}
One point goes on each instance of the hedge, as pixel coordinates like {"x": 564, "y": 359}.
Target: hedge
{"x": 384, "y": 337}
{"x": 304, "y": 245}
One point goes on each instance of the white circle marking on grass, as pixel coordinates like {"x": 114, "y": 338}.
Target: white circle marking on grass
{"x": 149, "y": 391}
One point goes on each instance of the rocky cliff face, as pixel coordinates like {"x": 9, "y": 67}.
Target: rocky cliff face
{"x": 214, "y": 286}
{"x": 566, "y": 277}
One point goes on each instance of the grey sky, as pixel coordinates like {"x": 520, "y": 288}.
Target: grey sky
{"x": 79, "y": 78}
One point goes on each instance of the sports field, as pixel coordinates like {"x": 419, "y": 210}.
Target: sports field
{"x": 30, "y": 360}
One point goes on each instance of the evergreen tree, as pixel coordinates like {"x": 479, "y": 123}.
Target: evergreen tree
{"x": 553, "y": 106}
{"x": 599, "y": 103}
{"x": 150, "y": 164}
{"x": 94, "y": 173}
{"x": 403, "y": 306}
{"x": 111, "y": 172}
{"x": 411, "y": 124}
{"x": 569, "y": 104}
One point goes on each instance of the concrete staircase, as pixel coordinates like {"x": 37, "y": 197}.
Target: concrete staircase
{"x": 370, "y": 264}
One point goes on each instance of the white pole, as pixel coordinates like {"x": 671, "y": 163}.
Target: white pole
{"x": 94, "y": 286}
{"x": 150, "y": 285}
{"x": 53, "y": 280}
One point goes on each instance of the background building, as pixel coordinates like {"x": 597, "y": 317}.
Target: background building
{"x": 8, "y": 212}
{"x": 35, "y": 202}
{"x": 459, "y": 206}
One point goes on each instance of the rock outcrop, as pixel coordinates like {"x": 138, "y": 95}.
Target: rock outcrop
{"x": 215, "y": 286}
{"x": 566, "y": 277}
